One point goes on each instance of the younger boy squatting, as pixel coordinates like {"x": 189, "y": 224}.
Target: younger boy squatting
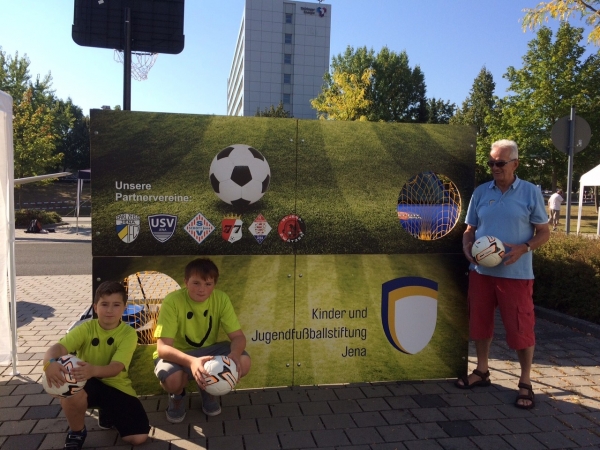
{"x": 106, "y": 345}
{"x": 186, "y": 331}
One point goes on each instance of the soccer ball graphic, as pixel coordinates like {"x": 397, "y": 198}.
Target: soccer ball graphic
{"x": 71, "y": 387}
{"x": 223, "y": 375}
{"x": 240, "y": 175}
{"x": 488, "y": 251}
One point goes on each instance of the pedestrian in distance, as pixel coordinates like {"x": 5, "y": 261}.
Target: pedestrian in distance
{"x": 186, "y": 331}
{"x": 554, "y": 208}
{"x": 106, "y": 346}
{"x": 513, "y": 211}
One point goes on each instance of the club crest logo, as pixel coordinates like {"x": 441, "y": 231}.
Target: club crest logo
{"x": 322, "y": 11}
{"x": 291, "y": 228}
{"x": 199, "y": 228}
{"x": 162, "y": 226}
{"x": 128, "y": 227}
{"x": 231, "y": 229}
{"x": 409, "y": 312}
{"x": 260, "y": 228}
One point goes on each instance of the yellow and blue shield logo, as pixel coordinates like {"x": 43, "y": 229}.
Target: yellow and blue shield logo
{"x": 409, "y": 312}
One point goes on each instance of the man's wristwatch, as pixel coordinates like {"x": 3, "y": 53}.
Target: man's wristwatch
{"x": 528, "y": 246}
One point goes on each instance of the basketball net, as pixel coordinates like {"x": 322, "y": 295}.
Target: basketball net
{"x": 141, "y": 63}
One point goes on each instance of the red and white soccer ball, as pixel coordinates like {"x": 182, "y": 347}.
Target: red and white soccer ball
{"x": 223, "y": 375}
{"x": 71, "y": 386}
{"x": 240, "y": 175}
{"x": 488, "y": 251}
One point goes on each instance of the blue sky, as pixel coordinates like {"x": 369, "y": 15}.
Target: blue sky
{"x": 450, "y": 40}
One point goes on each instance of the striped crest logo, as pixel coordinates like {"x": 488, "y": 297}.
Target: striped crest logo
{"x": 128, "y": 227}
{"x": 409, "y": 312}
{"x": 162, "y": 226}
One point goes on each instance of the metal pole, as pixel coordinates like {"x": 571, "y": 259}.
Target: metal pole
{"x": 127, "y": 62}
{"x": 570, "y": 170}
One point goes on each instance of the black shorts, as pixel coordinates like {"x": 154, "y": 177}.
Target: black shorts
{"x": 124, "y": 410}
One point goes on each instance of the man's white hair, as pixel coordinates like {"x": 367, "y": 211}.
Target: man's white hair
{"x": 507, "y": 143}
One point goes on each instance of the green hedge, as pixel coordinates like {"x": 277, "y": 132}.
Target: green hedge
{"x": 23, "y": 217}
{"x": 567, "y": 276}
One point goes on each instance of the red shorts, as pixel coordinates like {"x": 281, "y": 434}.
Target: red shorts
{"x": 514, "y": 299}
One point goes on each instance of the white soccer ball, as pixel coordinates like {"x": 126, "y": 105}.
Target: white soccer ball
{"x": 223, "y": 375}
{"x": 71, "y": 386}
{"x": 239, "y": 175}
{"x": 488, "y": 251}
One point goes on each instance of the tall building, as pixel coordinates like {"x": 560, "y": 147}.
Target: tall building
{"x": 281, "y": 55}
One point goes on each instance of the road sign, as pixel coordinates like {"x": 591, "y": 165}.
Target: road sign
{"x": 560, "y": 134}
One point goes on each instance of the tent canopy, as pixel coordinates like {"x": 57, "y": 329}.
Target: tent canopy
{"x": 591, "y": 178}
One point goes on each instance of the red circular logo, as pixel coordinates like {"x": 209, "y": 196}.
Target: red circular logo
{"x": 291, "y": 228}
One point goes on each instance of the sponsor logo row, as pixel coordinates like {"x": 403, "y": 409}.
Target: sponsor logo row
{"x": 291, "y": 228}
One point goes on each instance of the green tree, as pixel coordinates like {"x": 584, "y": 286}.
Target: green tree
{"x": 346, "y": 97}
{"x": 553, "y": 78}
{"x": 563, "y": 10}
{"x": 394, "y": 92}
{"x": 439, "y": 111}
{"x": 34, "y": 136}
{"x": 476, "y": 109}
{"x": 273, "y": 112}
{"x": 73, "y": 139}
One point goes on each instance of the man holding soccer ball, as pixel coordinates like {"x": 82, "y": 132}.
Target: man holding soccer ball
{"x": 513, "y": 211}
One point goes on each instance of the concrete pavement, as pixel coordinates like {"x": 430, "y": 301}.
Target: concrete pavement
{"x": 430, "y": 414}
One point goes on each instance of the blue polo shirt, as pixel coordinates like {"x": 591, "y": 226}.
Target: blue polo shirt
{"x": 511, "y": 218}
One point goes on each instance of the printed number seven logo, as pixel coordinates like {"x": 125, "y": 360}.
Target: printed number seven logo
{"x": 409, "y": 312}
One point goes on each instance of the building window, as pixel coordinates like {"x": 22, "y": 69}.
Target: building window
{"x": 287, "y": 58}
{"x": 288, "y": 38}
{"x": 287, "y": 99}
{"x": 288, "y": 18}
{"x": 287, "y": 78}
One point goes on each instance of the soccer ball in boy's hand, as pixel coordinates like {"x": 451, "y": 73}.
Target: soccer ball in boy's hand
{"x": 488, "y": 251}
{"x": 71, "y": 386}
{"x": 223, "y": 375}
{"x": 240, "y": 175}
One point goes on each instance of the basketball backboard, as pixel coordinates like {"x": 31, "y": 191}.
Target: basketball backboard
{"x": 156, "y": 25}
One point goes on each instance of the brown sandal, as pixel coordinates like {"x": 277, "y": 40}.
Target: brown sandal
{"x": 484, "y": 382}
{"x": 528, "y": 396}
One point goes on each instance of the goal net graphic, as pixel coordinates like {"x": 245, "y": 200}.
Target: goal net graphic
{"x": 429, "y": 206}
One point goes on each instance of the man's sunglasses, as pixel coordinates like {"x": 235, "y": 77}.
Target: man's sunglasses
{"x": 499, "y": 163}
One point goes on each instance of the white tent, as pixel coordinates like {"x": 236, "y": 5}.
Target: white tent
{"x": 8, "y": 279}
{"x": 591, "y": 178}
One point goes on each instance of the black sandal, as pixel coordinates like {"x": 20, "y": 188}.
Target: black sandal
{"x": 484, "y": 382}
{"x": 528, "y": 396}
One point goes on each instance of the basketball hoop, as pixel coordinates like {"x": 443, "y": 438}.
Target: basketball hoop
{"x": 141, "y": 63}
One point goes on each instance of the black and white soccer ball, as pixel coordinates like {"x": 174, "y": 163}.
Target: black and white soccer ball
{"x": 71, "y": 386}
{"x": 223, "y": 375}
{"x": 240, "y": 175}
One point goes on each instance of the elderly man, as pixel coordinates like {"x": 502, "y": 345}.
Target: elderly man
{"x": 512, "y": 210}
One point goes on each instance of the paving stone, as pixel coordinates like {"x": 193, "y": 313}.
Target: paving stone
{"x": 429, "y": 401}
{"x": 273, "y": 424}
{"x": 359, "y": 436}
{"x": 188, "y": 444}
{"x": 584, "y": 438}
{"x": 553, "y": 440}
{"x": 330, "y": 437}
{"x": 254, "y": 411}
{"x": 13, "y": 427}
{"x": 208, "y": 430}
{"x": 15, "y": 413}
{"x": 235, "y": 399}
{"x": 315, "y": 408}
{"x": 395, "y": 417}
{"x": 172, "y": 432}
{"x": 323, "y": 394}
{"x": 376, "y": 391}
{"x": 350, "y": 393}
{"x": 403, "y": 389}
{"x": 396, "y": 433}
{"x": 423, "y": 445}
{"x": 337, "y": 421}
{"x": 296, "y": 439}
{"x": 369, "y": 419}
{"x": 491, "y": 442}
{"x": 389, "y": 446}
{"x": 427, "y": 430}
{"x": 306, "y": 423}
{"x": 457, "y": 413}
{"x": 50, "y": 426}
{"x": 458, "y": 428}
{"x": 240, "y": 426}
{"x": 425, "y": 415}
{"x": 286, "y": 410}
{"x": 225, "y": 443}
{"x": 261, "y": 442}
{"x": 22, "y": 442}
{"x": 265, "y": 398}
{"x": 344, "y": 406}
{"x": 457, "y": 443}
{"x": 547, "y": 423}
{"x": 403, "y": 402}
